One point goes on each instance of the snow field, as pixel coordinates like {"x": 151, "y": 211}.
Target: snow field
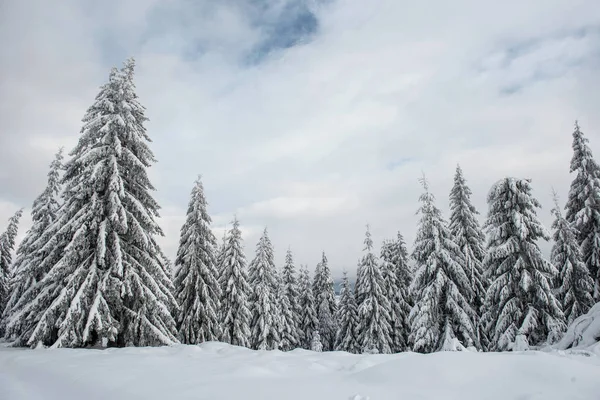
{"x": 214, "y": 371}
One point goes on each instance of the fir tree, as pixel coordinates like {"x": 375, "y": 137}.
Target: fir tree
{"x": 220, "y": 253}
{"x": 107, "y": 280}
{"x": 325, "y": 304}
{"x": 29, "y": 255}
{"x": 288, "y": 331}
{"x": 309, "y": 322}
{"x": 403, "y": 271}
{"x": 396, "y": 291}
{"x": 469, "y": 236}
{"x": 316, "y": 343}
{"x": 574, "y": 281}
{"x": 290, "y": 292}
{"x": 374, "y": 330}
{"x": 347, "y": 320}
{"x": 236, "y": 291}
{"x": 196, "y": 281}
{"x": 441, "y": 289}
{"x": 263, "y": 300}
{"x": 519, "y": 299}
{"x": 7, "y": 245}
{"x": 583, "y": 205}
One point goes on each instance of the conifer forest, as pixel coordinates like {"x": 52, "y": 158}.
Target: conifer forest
{"x": 90, "y": 273}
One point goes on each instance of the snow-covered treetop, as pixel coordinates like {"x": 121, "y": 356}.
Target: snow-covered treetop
{"x": 7, "y": 240}
{"x": 514, "y": 195}
{"x": 463, "y": 223}
{"x": 582, "y": 159}
{"x": 44, "y": 208}
{"x": 368, "y": 242}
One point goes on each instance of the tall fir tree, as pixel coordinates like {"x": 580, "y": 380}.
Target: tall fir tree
{"x": 235, "y": 308}
{"x": 583, "y": 205}
{"x": 396, "y": 291}
{"x": 519, "y": 301}
{"x": 7, "y": 246}
{"x": 290, "y": 289}
{"x": 309, "y": 323}
{"x": 196, "y": 280}
{"x": 442, "y": 313}
{"x": 574, "y": 282}
{"x": 288, "y": 331}
{"x": 374, "y": 330}
{"x": 469, "y": 236}
{"x": 264, "y": 309}
{"x": 29, "y": 255}
{"x": 347, "y": 320}
{"x": 107, "y": 280}
{"x": 403, "y": 270}
{"x": 324, "y": 293}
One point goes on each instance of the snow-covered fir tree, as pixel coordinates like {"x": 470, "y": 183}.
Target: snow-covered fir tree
{"x": 235, "y": 308}
{"x": 264, "y": 310}
{"x": 396, "y": 292}
{"x": 583, "y": 205}
{"x": 520, "y": 297}
{"x": 316, "y": 343}
{"x": 374, "y": 330}
{"x": 441, "y": 288}
{"x": 469, "y": 236}
{"x": 290, "y": 290}
{"x": 347, "y": 320}
{"x": 108, "y": 282}
{"x": 309, "y": 322}
{"x": 574, "y": 282}
{"x": 7, "y": 246}
{"x": 196, "y": 280}
{"x": 220, "y": 252}
{"x": 26, "y": 267}
{"x": 402, "y": 268}
{"x": 288, "y": 331}
{"x": 324, "y": 293}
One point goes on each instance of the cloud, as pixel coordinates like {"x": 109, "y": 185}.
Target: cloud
{"x": 329, "y": 127}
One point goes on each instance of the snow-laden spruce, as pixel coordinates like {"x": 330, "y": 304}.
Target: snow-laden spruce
{"x": 574, "y": 282}
{"x": 289, "y": 302}
{"x": 235, "y": 308}
{"x": 288, "y": 331}
{"x": 196, "y": 280}
{"x": 26, "y": 267}
{"x": 520, "y": 298}
{"x": 324, "y": 294}
{"x": 264, "y": 310}
{"x": 394, "y": 274}
{"x": 7, "y": 245}
{"x": 374, "y": 330}
{"x": 316, "y": 342}
{"x": 309, "y": 322}
{"x": 583, "y": 205}
{"x": 347, "y": 320}
{"x": 469, "y": 236}
{"x": 108, "y": 282}
{"x": 441, "y": 288}
{"x": 220, "y": 253}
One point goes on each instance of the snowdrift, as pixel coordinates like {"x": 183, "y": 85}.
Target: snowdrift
{"x": 584, "y": 334}
{"x": 215, "y": 371}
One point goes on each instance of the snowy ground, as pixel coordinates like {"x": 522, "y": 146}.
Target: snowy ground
{"x": 217, "y": 371}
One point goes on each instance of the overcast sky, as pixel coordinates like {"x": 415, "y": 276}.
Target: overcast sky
{"x": 313, "y": 118}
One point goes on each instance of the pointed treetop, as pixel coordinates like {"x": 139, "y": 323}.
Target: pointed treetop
{"x": 424, "y": 182}
{"x": 368, "y": 240}
{"x": 557, "y": 209}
